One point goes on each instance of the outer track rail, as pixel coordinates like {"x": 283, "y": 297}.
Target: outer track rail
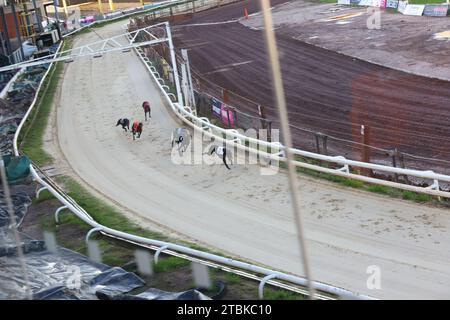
{"x": 171, "y": 248}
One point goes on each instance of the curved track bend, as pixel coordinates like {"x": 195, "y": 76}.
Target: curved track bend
{"x": 240, "y": 211}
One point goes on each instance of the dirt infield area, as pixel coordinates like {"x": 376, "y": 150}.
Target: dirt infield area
{"x": 326, "y": 91}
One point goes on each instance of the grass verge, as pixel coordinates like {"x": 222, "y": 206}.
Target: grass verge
{"x": 31, "y": 138}
{"x": 356, "y": 184}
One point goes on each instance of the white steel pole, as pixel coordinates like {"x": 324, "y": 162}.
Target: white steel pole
{"x": 185, "y": 56}
{"x": 184, "y": 85}
{"x": 174, "y": 65}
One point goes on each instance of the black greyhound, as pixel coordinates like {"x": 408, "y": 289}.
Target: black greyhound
{"x": 125, "y": 123}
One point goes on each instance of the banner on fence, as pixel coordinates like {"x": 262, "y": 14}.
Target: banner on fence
{"x": 227, "y": 116}
{"x": 343, "y": 1}
{"x": 225, "y": 113}
{"x": 414, "y": 10}
{"x": 402, "y": 6}
{"x": 216, "y": 107}
{"x": 365, "y": 3}
{"x": 435, "y": 10}
{"x": 378, "y": 4}
{"x": 392, "y": 4}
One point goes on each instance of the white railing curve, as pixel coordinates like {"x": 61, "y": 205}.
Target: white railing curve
{"x": 204, "y": 125}
{"x": 70, "y": 204}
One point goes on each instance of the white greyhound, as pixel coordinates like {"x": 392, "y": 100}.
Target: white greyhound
{"x": 222, "y": 153}
{"x": 182, "y": 138}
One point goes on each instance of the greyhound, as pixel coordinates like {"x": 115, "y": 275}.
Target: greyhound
{"x": 182, "y": 138}
{"x": 147, "y": 110}
{"x": 221, "y": 152}
{"x": 137, "y": 129}
{"x": 125, "y": 123}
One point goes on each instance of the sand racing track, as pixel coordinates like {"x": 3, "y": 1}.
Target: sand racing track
{"x": 325, "y": 92}
{"x": 240, "y": 211}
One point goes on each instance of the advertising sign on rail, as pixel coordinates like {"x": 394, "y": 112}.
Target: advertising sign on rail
{"x": 414, "y": 10}
{"x": 436, "y": 10}
{"x": 227, "y": 116}
{"x": 365, "y": 3}
{"x": 378, "y": 3}
{"x": 223, "y": 112}
{"x": 343, "y": 1}
{"x": 216, "y": 107}
{"x": 392, "y": 4}
{"x": 402, "y": 6}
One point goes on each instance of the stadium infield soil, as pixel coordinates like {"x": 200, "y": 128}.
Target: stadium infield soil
{"x": 329, "y": 92}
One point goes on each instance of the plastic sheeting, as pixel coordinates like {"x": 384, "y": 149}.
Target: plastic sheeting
{"x": 64, "y": 274}
{"x": 156, "y": 294}
{"x": 18, "y": 99}
{"x": 61, "y": 275}
{"x": 20, "y": 199}
{"x": 67, "y": 275}
{"x": 5, "y": 77}
{"x": 115, "y": 281}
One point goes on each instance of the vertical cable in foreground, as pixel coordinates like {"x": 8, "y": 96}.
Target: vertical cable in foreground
{"x": 13, "y": 226}
{"x": 287, "y": 138}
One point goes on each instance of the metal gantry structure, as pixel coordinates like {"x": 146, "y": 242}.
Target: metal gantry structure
{"x": 123, "y": 42}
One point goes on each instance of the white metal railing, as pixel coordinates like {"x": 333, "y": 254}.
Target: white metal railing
{"x": 179, "y": 5}
{"x": 10, "y": 82}
{"x": 71, "y": 205}
{"x": 201, "y": 124}
{"x": 16, "y": 56}
{"x": 238, "y": 140}
{"x": 234, "y": 138}
{"x": 269, "y": 274}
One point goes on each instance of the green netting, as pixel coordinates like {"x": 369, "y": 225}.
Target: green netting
{"x": 17, "y": 168}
